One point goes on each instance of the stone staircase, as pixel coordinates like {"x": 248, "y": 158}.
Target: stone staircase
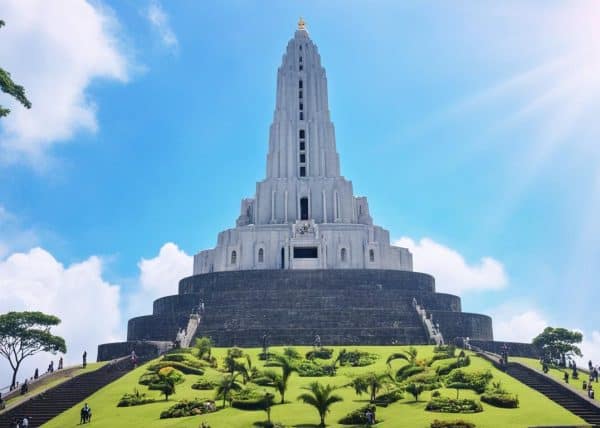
{"x": 561, "y": 394}
{"x": 50, "y": 403}
{"x": 190, "y": 330}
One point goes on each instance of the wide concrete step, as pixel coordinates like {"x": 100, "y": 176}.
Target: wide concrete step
{"x": 556, "y": 392}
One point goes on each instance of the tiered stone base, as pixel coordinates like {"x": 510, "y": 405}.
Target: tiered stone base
{"x": 343, "y": 307}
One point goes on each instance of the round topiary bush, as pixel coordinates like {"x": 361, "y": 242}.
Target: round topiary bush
{"x": 452, "y": 424}
{"x": 451, "y": 405}
{"x": 504, "y": 400}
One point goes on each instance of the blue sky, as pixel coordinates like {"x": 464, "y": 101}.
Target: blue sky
{"x": 471, "y": 124}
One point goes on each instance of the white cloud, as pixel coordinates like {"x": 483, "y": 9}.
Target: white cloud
{"x": 159, "y": 277}
{"x": 55, "y": 49}
{"x": 590, "y": 348}
{"x": 515, "y": 322}
{"x": 87, "y": 304}
{"x": 452, "y": 272}
{"x": 160, "y": 23}
{"x": 519, "y": 322}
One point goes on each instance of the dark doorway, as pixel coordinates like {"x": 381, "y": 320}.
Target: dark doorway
{"x": 282, "y": 258}
{"x": 303, "y": 208}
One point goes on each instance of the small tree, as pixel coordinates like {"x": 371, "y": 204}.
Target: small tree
{"x": 321, "y": 398}
{"x": 23, "y": 334}
{"x": 370, "y": 383}
{"x": 227, "y": 386}
{"x": 204, "y": 346}
{"x": 414, "y": 389}
{"x": 558, "y": 343}
{"x": 12, "y": 89}
{"x": 288, "y": 366}
{"x": 168, "y": 378}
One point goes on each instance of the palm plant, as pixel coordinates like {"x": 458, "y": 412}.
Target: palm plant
{"x": 321, "y": 398}
{"x": 277, "y": 381}
{"x": 288, "y": 366}
{"x": 370, "y": 383}
{"x": 226, "y": 386}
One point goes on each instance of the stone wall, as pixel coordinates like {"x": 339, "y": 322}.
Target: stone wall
{"x": 462, "y": 324}
{"x": 111, "y": 351}
{"x": 515, "y": 349}
{"x": 292, "y": 306}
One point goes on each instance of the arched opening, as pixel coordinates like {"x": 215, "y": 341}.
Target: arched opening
{"x": 371, "y": 255}
{"x": 304, "y": 208}
{"x": 233, "y": 257}
{"x": 282, "y": 258}
{"x": 299, "y": 84}
{"x": 343, "y": 254}
{"x": 261, "y": 255}
{"x": 302, "y": 133}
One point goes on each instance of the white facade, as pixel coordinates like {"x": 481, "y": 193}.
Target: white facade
{"x": 304, "y": 214}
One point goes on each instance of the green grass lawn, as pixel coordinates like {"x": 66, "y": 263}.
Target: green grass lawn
{"x": 47, "y": 382}
{"x": 534, "y": 410}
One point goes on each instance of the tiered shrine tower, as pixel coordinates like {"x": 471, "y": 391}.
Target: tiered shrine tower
{"x": 304, "y": 214}
{"x": 304, "y": 257}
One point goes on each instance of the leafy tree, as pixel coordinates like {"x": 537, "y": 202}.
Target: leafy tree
{"x": 370, "y": 383}
{"x": 168, "y": 378}
{"x": 321, "y": 398}
{"x": 227, "y": 386}
{"x": 12, "y": 89}
{"x": 414, "y": 389}
{"x": 23, "y": 334}
{"x": 287, "y": 366}
{"x": 558, "y": 343}
{"x": 204, "y": 346}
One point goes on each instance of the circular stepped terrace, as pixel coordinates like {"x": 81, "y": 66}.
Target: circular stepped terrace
{"x": 353, "y": 306}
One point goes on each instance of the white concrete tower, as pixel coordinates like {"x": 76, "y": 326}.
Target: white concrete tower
{"x": 304, "y": 214}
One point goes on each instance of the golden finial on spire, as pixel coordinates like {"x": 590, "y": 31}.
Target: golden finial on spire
{"x": 301, "y": 24}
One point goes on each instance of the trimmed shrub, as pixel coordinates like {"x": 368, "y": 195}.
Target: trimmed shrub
{"x": 136, "y": 399}
{"x": 407, "y": 371}
{"x": 357, "y": 358}
{"x": 459, "y": 423}
{"x": 357, "y": 417}
{"x": 182, "y": 367}
{"x": 505, "y": 400}
{"x": 148, "y": 378}
{"x": 429, "y": 379}
{"x": 477, "y": 381}
{"x": 447, "y": 368}
{"x": 174, "y": 357}
{"x": 291, "y": 352}
{"x": 451, "y": 405}
{"x": 387, "y": 398}
{"x": 179, "y": 351}
{"x": 321, "y": 354}
{"x": 310, "y": 368}
{"x": 187, "y": 408}
{"x": 203, "y": 385}
{"x": 249, "y": 404}
{"x": 435, "y": 394}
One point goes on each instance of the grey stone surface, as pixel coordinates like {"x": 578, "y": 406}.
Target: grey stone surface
{"x": 343, "y": 307}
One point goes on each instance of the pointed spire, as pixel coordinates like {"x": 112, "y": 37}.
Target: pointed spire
{"x": 302, "y": 25}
